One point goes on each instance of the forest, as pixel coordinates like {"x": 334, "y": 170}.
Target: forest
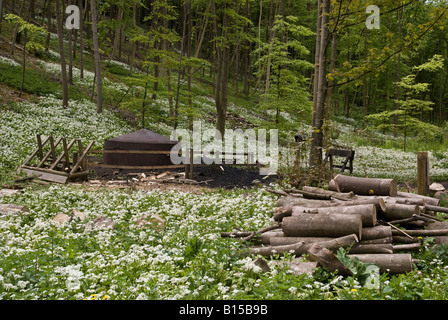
{"x": 366, "y": 76}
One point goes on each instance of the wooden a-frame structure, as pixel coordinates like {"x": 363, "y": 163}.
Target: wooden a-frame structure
{"x": 54, "y": 167}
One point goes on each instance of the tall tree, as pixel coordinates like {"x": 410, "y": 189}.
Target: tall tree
{"x": 321, "y": 90}
{"x": 1, "y": 15}
{"x": 96, "y": 54}
{"x": 62, "y": 54}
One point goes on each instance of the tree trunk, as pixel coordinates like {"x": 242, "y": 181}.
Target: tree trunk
{"x": 367, "y": 212}
{"x": 16, "y": 29}
{"x": 223, "y": 53}
{"x": 49, "y": 27}
{"x": 81, "y": 40}
{"x": 1, "y": 15}
{"x": 334, "y": 44}
{"x": 24, "y": 61}
{"x": 322, "y": 225}
{"x": 364, "y": 186}
{"x": 70, "y": 53}
{"x": 62, "y": 54}
{"x": 315, "y": 160}
{"x": 134, "y": 43}
{"x": 179, "y": 71}
{"x": 301, "y": 248}
{"x": 117, "y": 36}
{"x": 96, "y": 48}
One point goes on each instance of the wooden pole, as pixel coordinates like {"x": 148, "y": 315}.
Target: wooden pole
{"x": 422, "y": 173}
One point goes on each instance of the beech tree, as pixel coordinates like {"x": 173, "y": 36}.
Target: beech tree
{"x": 96, "y": 53}
{"x": 62, "y": 54}
{"x": 320, "y": 89}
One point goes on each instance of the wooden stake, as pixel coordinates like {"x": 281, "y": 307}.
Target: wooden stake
{"x": 422, "y": 173}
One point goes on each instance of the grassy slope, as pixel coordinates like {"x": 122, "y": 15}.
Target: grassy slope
{"x": 378, "y": 157}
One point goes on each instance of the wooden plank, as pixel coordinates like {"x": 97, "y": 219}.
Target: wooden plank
{"x": 36, "y": 151}
{"x": 83, "y": 162}
{"x": 422, "y": 173}
{"x": 61, "y": 173}
{"x": 45, "y": 175}
{"x": 81, "y": 158}
{"x": 39, "y": 147}
{"x": 64, "y": 154}
{"x": 53, "y": 147}
{"x": 51, "y": 152}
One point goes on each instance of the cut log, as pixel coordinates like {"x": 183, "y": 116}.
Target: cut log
{"x": 414, "y": 225}
{"x": 287, "y": 203}
{"x": 387, "y": 199}
{"x": 377, "y": 232}
{"x": 407, "y": 247}
{"x": 281, "y": 212}
{"x": 309, "y": 194}
{"x": 259, "y": 232}
{"x": 327, "y": 259}
{"x": 322, "y": 225}
{"x": 379, "y": 203}
{"x": 436, "y": 208}
{"x": 395, "y": 211}
{"x": 404, "y": 239}
{"x": 391, "y": 263}
{"x": 268, "y": 236}
{"x": 290, "y": 201}
{"x": 423, "y": 233}
{"x": 301, "y": 248}
{"x": 366, "y": 211}
{"x": 281, "y": 241}
{"x": 364, "y": 186}
{"x": 428, "y": 200}
{"x": 332, "y": 194}
{"x": 359, "y": 248}
{"x": 377, "y": 241}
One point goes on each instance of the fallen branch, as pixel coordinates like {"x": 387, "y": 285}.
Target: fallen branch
{"x": 253, "y": 234}
{"x": 301, "y": 248}
{"x": 398, "y": 231}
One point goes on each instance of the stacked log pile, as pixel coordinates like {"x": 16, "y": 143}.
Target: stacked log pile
{"x": 370, "y": 217}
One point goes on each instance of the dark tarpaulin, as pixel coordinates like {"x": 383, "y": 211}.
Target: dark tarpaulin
{"x": 140, "y": 140}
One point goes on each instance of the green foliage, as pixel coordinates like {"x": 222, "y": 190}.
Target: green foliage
{"x": 282, "y": 65}
{"x": 411, "y": 106}
{"x": 366, "y": 274}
